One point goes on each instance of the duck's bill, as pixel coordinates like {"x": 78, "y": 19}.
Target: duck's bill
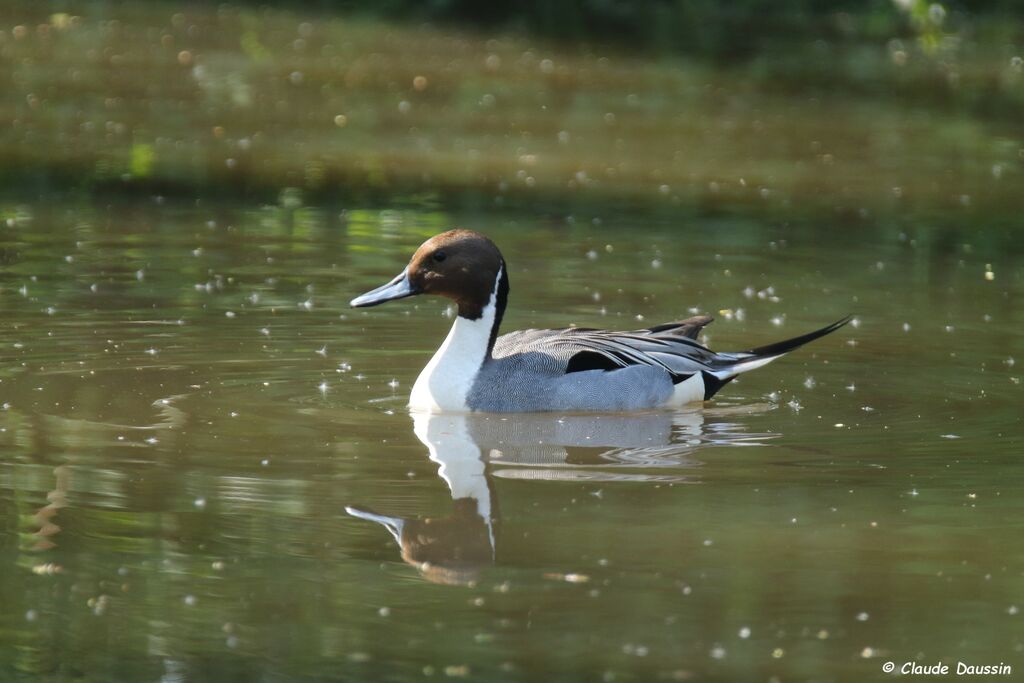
{"x": 399, "y": 288}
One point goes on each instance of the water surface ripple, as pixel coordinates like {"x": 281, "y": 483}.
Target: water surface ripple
{"x": 206, "y": 464}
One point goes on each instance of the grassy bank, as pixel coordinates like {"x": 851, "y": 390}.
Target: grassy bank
{"x": 240, "y": 101}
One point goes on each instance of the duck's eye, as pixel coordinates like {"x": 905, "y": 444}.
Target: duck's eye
{"x": 440, "y": 256}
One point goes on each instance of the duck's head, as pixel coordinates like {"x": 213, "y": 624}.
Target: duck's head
{"x": 462, "y": 265}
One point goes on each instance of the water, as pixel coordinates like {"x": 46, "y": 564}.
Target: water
{"x": 189, "y": 407}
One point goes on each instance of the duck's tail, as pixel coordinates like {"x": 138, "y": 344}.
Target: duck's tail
{"x": 731, "y": 365}
{"x": 755, "y": 358}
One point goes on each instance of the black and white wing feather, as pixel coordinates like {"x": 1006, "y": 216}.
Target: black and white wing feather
{"x": 671, "y": 346}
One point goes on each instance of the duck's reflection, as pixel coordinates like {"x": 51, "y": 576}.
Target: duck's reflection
{"x": 449, "y": 549}
{"x": 471, "y": 449}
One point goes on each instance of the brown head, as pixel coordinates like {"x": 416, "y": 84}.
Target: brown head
{"x": 461, "y": 265}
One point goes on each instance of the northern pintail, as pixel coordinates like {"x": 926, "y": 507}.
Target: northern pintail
{"x": 572, "y": 369}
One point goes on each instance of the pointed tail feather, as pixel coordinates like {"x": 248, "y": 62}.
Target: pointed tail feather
{"x": 779, "y": 348}
{"x": 762, "y": 355}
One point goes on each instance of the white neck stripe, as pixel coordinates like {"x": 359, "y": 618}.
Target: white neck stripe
{"x": 446, "y": 381}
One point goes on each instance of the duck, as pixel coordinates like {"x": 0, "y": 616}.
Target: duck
{"x": 572, "y": 369}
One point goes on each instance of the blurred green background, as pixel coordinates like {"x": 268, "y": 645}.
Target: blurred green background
{"x": 766, "y": 107}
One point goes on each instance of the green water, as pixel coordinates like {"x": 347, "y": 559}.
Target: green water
{"x": 188, "y": 407}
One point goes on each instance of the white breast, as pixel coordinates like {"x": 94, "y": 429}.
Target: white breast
{"x": 444, "y": 384}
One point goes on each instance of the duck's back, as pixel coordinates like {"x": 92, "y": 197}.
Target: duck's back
{"x": 557, "y": 370}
